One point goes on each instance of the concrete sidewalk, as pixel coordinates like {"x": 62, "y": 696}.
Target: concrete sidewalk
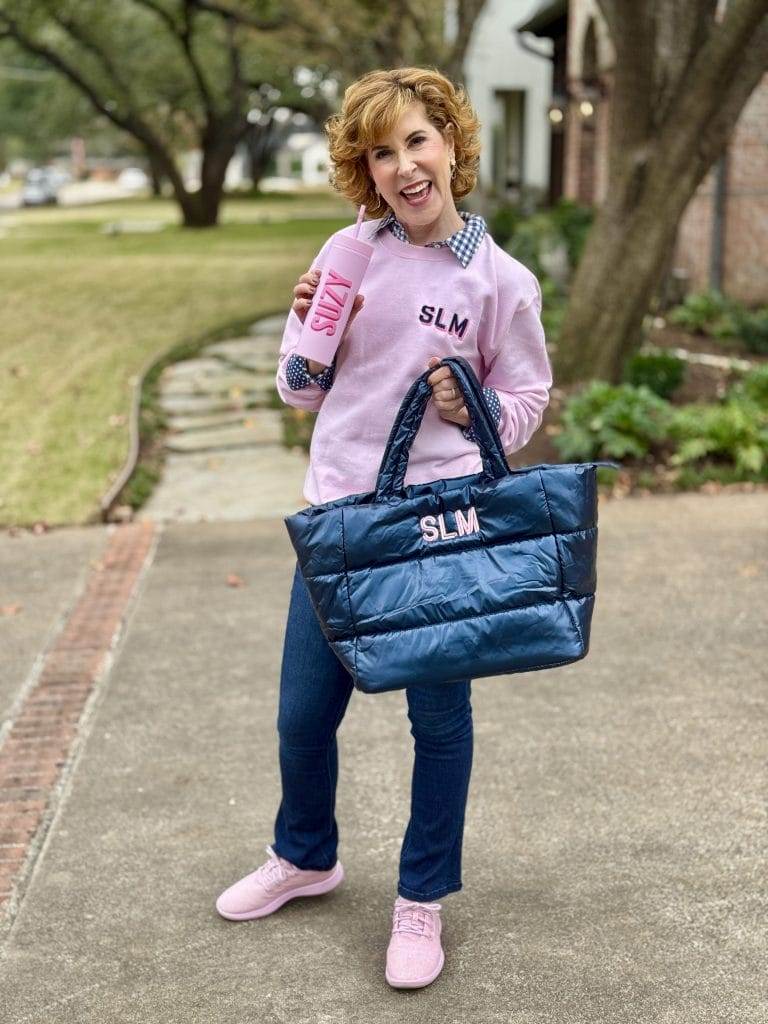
{"x": 614, "y": 854}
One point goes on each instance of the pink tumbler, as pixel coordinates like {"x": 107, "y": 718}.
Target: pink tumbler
{"x": 345, "y": 264}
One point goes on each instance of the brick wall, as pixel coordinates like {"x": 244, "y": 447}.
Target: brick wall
{"x": 745, "y": 260}
{"x": 745, "y": 245}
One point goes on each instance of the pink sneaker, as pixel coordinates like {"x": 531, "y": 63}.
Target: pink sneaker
{"x": 414, "y": 956}
{"x": 273, "y": 884}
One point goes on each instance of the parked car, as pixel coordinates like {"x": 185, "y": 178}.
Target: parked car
{"x": 41, "y": 187}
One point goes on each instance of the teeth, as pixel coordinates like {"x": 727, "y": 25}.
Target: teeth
{"x": 415, "y": 191}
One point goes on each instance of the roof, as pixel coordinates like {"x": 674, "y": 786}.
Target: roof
{"x": 544, "y": 18}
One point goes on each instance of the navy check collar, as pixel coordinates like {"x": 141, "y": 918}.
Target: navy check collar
{"x": 463, "y": 243}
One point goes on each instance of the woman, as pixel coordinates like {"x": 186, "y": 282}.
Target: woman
{"x": 406, "y": 144}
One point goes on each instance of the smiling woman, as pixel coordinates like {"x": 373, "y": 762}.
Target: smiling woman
{"x": 404, "y": 144}
{"x": 399, "y": 130}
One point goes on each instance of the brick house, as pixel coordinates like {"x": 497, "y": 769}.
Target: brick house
{"x": 723, "y": 234}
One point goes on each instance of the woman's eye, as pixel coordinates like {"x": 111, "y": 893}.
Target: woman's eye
{"x": 383, "y": 152}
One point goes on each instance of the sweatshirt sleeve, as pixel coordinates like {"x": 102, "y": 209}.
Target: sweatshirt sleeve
{"x": 295, "y": 384}
{"x": 519, "y": 373}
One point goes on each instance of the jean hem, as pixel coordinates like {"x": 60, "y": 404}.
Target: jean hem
{"x": 302, "y": 867}
{"x": 425, "y": 897}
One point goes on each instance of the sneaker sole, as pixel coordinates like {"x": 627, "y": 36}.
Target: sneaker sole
{"x": 315, "y": 889}
{"x": 419, "y": 982}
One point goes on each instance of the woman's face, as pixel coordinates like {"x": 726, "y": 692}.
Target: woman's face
{"x": 414, "y": 154}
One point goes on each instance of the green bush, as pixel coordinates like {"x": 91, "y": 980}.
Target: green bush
{"x": 660, "y": 371}
{"x": 554, "y": 303}
{"x": 752, "y": 327}
{"x": 706, "y": 313}
{"x": 573, "y": 223}
{"x": 526, "y": 237}
{"x": 752, "y": 387}
{"x": 530, "y": 237}
{"x": 503, "y": 223}
{"x": 612, "y": 421}
{"x": 734, "y": 431}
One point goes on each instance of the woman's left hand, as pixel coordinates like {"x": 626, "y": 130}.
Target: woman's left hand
{"x": 447, "y": 394}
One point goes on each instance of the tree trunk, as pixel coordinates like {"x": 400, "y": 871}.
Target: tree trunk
{"x": 613, "y": 286}
{"x": 201, "y": 209}
{"x": 675, "y": 102}
{"x": 261, "y": 143}
{"x": 156, "y": 175}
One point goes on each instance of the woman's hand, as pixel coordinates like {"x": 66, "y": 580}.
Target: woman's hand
{"x": 447, "y": 394}
{"x": 303, "y": 294}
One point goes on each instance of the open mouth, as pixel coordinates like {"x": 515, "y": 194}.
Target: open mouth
{"x": 418, "y": 198}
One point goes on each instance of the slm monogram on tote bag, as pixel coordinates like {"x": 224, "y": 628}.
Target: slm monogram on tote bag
{"x": 434, "y": 528}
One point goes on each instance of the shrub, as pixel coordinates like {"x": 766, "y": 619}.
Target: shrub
{"x": 611, "y": 421}
{"x": 752, "y": 387}
{"x": 530, "y": 237}
{"x": 661, "y": 372}
{"x": 706, "y": 313}
{"x": 554, "y": 303}
{"x": 573, "y": 223}
{"x": 566, "y": 223}
{"x": 752, "y": 328}
{"x": 503, "y": 222}
{"x": 734, "y": 431}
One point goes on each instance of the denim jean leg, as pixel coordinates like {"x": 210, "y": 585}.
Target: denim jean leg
{"x": 441, "y": 725}
{"x": 315, "y": 689}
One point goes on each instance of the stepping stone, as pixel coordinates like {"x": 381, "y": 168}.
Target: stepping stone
{"x": 269, "y": 325}
{"x": 190, "y": 367}
{"x": 206, "y": 421}
{"x": 236, "y": 348}
{"x": 258, "y": 362}
{"x": 214, "y": 384}
{"x": 235, "y": 484}
{"x": 180, "y": 404}
{"x": 265, "y": 432}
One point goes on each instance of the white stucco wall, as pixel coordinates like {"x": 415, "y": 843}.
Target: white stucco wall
{"x": 495, "y": 60}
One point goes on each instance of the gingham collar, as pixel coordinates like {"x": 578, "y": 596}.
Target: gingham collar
{"x": 463, "y": 243}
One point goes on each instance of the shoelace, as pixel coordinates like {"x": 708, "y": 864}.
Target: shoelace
{"x": 415, "y": 918}
{"x": 275, "y": 870}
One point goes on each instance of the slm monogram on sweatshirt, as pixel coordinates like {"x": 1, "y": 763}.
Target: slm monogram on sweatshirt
{"x": 433, "y": 527}
{"x": 457, "y": 326}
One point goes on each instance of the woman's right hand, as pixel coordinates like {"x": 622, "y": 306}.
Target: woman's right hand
{"x": 304, "y": 292}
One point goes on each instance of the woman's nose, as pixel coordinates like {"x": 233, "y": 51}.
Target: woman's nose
{"x": 405, "y": 165}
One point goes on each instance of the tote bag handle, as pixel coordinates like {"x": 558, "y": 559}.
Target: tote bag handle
{"x": 394, "y": 463}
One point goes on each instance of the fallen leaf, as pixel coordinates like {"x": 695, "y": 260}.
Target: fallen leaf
{"x": 10, "y": 609}
{"x": 233, "y": 580}
{"x": 749, "y": 569}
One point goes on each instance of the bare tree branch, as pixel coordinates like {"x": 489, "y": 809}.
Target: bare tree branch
{"x": 241, "y": 17}
{"x": 78, "y": 34}
{"x": 187, "y": 45}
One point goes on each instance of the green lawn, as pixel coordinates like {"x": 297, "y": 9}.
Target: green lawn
{"x": 83, "y": 312}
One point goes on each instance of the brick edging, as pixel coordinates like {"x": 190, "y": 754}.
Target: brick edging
{"x": 39, "y": 743}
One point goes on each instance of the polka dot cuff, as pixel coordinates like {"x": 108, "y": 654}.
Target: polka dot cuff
{"x": 494, "y": 405}
{"x": 298, "y": 375}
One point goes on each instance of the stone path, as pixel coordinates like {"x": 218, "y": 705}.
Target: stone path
{"x": 225, "y": 459}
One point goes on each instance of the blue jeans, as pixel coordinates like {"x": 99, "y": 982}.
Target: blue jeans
{"x": 314, "y": 693}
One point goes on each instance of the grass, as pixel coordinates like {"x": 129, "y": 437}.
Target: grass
{"x": 85, "y": 311}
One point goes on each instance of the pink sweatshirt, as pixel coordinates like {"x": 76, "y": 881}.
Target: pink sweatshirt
{"x": 420, "y": 302}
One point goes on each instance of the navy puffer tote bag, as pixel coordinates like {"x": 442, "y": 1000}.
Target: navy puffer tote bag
{"x": 473, "y": 576}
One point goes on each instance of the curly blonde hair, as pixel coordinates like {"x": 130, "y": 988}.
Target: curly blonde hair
{"x": 373, "y": 105}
